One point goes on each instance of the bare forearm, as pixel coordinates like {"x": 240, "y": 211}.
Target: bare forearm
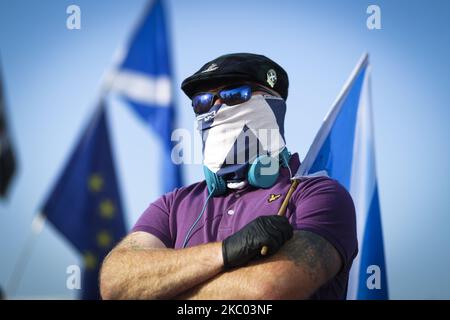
{"x": 300, "y": 267}
{"x": 247, "y": 282}
{"x": 275, "y": 279}
{"x": 143, "y": 273}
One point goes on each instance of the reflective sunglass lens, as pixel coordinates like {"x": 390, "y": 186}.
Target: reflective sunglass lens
{"x": 235, "y": 95}
{"x": 202, "y": 102}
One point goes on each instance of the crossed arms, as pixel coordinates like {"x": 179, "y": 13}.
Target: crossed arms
{"x": 141, "y": 267}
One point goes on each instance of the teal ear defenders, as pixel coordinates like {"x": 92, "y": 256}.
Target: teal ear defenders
{"x": 218, "y": 186}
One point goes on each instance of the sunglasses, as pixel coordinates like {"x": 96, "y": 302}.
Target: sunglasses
{"x": 203, "y": 101}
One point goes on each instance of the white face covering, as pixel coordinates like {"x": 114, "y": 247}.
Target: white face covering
{"x": 233, "y": 136}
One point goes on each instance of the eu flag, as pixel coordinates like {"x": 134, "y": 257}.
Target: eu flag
{"x": 344, "y": 150}
{"x": 144, "y": 79}
{"x": 85, "y": 204}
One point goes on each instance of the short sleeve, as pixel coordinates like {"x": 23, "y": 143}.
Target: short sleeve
{"x": 155, "y": 220}
{"x": 325, "y": 207}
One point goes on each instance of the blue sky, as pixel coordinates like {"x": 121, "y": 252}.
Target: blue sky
{"x": 52, "y": 75}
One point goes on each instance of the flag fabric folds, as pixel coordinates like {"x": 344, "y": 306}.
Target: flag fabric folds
{"x": 344, "y": 150}
{"x": 7, "y": 157}
{"x": 85, "y": 204}
{"x": 143, "y": 78}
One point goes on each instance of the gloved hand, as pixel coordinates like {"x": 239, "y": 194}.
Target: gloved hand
{"x": 271, "y": 231}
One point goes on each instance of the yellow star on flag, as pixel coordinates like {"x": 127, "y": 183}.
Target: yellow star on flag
{"x": 90, "y": 261}
{"x": 95, "y": 182}
{"x": 107, "y": 209}
{"x": 104, "y": 239}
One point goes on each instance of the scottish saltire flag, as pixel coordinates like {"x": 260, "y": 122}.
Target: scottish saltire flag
{"x": 143, "y": 78}
{"x": 344, "y": 150}
{"x": 85, "y": 204}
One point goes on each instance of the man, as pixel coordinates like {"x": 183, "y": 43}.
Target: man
{"x": 204, "y": 241}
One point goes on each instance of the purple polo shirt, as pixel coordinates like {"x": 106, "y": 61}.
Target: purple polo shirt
{"x": 320, "y": 205}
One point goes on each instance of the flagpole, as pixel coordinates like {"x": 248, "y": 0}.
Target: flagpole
{"x": 37, "y": 225}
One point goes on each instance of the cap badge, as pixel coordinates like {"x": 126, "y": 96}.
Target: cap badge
{"x": 271, "y": 77}
{"x": 211, "y": 67}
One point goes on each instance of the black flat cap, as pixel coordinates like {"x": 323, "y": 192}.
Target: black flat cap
{"x": 237, "y": 67}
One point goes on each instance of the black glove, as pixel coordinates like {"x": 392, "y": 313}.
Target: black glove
{"x": 246, "y": 244}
